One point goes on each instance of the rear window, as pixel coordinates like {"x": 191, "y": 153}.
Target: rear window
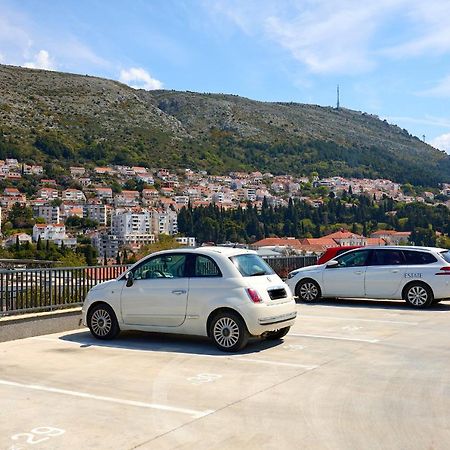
{"x": 446, "y": 255}
{"x": 414, "y": 257}
{"x": 251, "y": 265}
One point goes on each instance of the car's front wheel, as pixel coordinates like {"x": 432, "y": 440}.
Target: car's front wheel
{"x": 229, "y": 332}
{"x": 102, "y": 322}
{"x": 418, "y": 295}
{"x": 277, "y": 334}
{"x": 307, "y": 291}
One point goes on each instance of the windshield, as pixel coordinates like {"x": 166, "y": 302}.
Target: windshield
{"x": 446, "y": 255}
{"x": 251, "y": 265}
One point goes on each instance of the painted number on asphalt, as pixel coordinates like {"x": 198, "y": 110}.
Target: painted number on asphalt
{"x": 202, "y": 378}
{"x": 351, "y": 328}
{"x": 36, "y": 436}
{"x": 293, "y": 347}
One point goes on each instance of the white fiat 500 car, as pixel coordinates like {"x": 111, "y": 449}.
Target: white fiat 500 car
{"x": 225, "y": 293}
{"x": 415, "y": 274}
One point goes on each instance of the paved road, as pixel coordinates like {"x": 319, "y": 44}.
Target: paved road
{"x": 350, "y": 375}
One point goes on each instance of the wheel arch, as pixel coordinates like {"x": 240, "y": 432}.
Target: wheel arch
{"x": 97, "y": 303}
{"x": 411, "y": 283}
{"x": 308, "y": 279}
{"x": 219, "y": 310}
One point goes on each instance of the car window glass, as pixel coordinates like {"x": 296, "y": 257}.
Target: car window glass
{"x": 163, "y": 266}
{"x": 353, "y": 259}
{"x": 206, "y": 267}
{"x": 387, "y": 258}
{"x": 446, "y": 255}
{"x": 250, "y": 265}
{"x": 414, "y": 257}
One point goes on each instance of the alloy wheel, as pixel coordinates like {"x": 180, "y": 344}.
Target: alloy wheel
{"x": 226, "y": 332}
{"x": 308, "y": 291}
{"x": 101, "y": 322}
{"x": 417, "y": 295}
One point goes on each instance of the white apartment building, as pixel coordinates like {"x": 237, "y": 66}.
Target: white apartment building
{"x": 164, "y": 222}
{"x": 95, "y": 212}
{"x": 50, "y": 214}
{"x": 47, "y": 193}
{"x": 73, "y": 195}
{"x": 104, "y": 193}
{"x": 53, "y": 232}
{"x": 106, "y": 245}
{"x": 132, "y": 228}
{"x": 188, "y": 241}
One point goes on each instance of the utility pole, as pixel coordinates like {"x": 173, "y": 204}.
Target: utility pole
{"x": 337, "y": 95}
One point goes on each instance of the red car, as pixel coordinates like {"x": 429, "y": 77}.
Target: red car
{"x": 335, "y": 251}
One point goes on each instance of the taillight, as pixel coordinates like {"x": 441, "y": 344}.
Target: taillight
{"x": 254, "y": 295}
{"x": 444, "y": 271}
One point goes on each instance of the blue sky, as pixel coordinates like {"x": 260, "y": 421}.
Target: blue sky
{"x": 390, "y": 57}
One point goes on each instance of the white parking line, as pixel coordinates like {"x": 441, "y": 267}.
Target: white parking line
{"x": 170, "y": 352}
{"x": 274, "y": 363}
{"x": 191, "y": 412}
{"x": 337, "y": 338}
{"x": 396, "y": 322}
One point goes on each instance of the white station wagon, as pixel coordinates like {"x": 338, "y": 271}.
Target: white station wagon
{"x": 227, "y": 294}
{"x": 415, "y": 274}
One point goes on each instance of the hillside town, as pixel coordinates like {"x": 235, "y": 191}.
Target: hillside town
{"x": 123, "y": 207}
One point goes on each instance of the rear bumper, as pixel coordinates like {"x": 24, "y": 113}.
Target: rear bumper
{"x": 268, "y": 317}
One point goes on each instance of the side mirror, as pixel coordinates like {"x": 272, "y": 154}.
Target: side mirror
{"x": 332, "y": 264}
{"x": 129, "y": 278}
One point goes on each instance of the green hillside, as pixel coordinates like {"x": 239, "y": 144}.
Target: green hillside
{"x": 52, "y": 117}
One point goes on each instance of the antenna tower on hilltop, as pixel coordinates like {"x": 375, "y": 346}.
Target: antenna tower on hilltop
{"x": 337, "y": 94}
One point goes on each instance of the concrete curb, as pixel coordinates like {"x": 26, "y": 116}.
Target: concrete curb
{"x": 36, "y": 324}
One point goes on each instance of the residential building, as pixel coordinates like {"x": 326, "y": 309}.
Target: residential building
{"x": 132, "y": 229}
{"x": 73, "y": 195}
{"x": 187, "y": 241}
{"x": 21, "y": 237}
{"x": 106, "y": 245}
{"x": 95, "y": 212}
{"x": 47, "y": 193}
{"x": 53, "y": 232}
{"x": 49, "y": 213}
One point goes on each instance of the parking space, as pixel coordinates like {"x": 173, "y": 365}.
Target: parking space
{"x": 350, "y": 374}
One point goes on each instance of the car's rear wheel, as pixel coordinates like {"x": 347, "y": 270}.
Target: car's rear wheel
{"x": 277, "y": 334}
{"x": 418, "y": 295}
{"x": 102, "y": 322}
{"x": 229, "y": 332}
{"x": 307, "y": 291}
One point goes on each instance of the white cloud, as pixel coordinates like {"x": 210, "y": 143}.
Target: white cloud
{"x": 442, "y": 142}
{"x": 139, "y": 78}
{"x": 347, "y": 37}
{"x": 428, "y": 22}
{"x": 41, "y": 60}
{"x": 440, "y": 89}
{"x": 427, "y": 120}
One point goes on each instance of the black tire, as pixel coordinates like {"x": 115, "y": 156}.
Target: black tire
{"x": 436, "y": 301}
{"x": 307, "y": 291}
{"x": 277, "y": 334}
{"x": 102, "y": 322}
{"x": 229, "y": 332}
{"x": 418, "y": 295}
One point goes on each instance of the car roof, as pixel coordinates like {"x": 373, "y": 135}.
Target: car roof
{"x": 403, "y": 247}
{"x": 210, "y": 251}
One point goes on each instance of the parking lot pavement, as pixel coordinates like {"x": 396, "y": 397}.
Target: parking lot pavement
{"x": 350, "y": 374}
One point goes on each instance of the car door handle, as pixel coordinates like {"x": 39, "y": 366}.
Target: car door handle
{"x": 179, "y": 292}
{"x": 395, "y": 271}
{"x": 358, "y": 272}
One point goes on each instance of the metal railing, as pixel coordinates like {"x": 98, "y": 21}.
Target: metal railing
{"x": 285, "y": 264}
{"x": 27, "y": 290}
